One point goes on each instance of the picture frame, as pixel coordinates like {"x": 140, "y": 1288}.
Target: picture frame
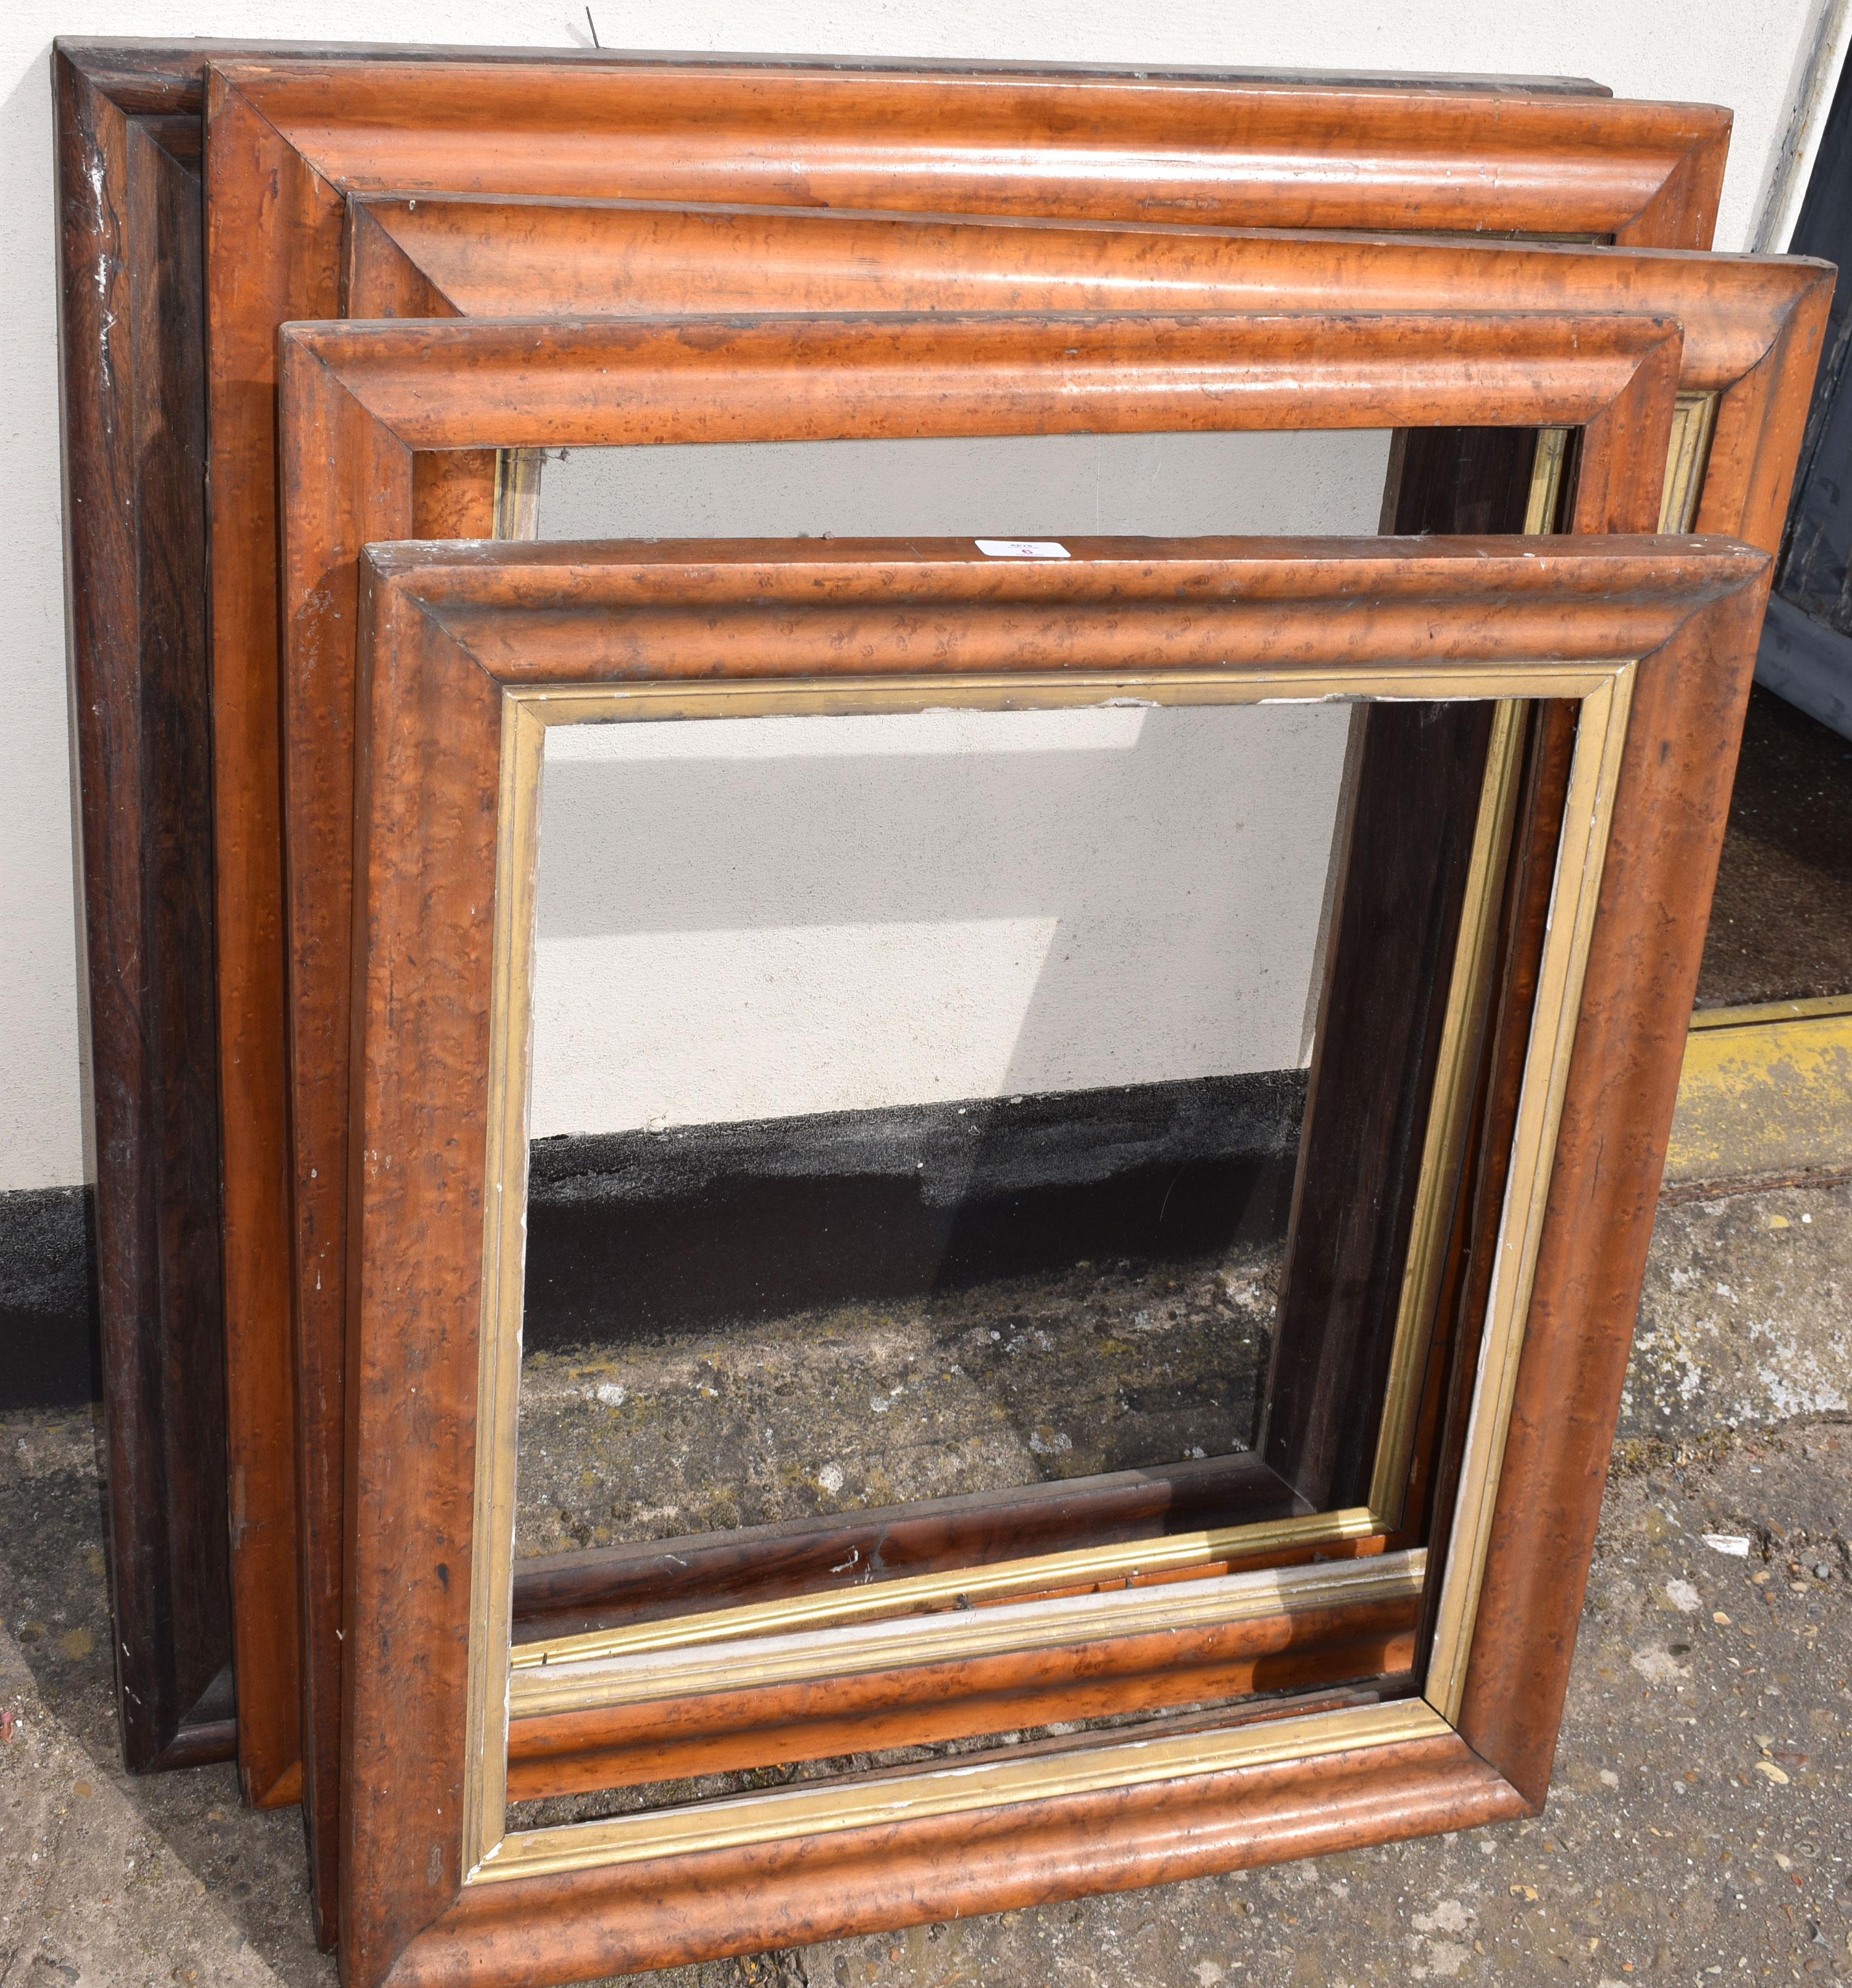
{"x": 465, "y": 662}
{"x": 284, "y": 118}
{"x": 129, "y": 130}
{"x": 1748, "y": 321}
{"x": 1771, "y": 326}
{"x": 481, "y": 256}
{"x": 364, "y": 406}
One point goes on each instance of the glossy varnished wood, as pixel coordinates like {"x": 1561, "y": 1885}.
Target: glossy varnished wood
{"x": 785, "y": 1894}
{"x": 643, "y": 258}
{"x": 1752, "y": 327}
{"x": 481, "y": 256}
{"x": 1644, "y": 174}
{"x": 565, "y": 1594}
{"x": 131, "y": 302}
{"x": 1759, "y": 326}
{"x": 441, "y": 635}
{"x": 723, "y": 1732}
{"x": 360, "y": 404}
{"x": 1641, "y": 976}
{"x": 1165, "y": 145}
{"x": 477, "y": 256}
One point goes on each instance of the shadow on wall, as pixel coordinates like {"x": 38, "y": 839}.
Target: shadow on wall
{"x": 49, "y": 1356}
{"x": 635, "y": 1235}
{"x": 860, "y": 1091}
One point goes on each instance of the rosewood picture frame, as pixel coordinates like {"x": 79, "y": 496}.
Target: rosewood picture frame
{"x": 185, "y": 1517}
{"x": 369, "y": 410}
{"x": 464, "y": 659}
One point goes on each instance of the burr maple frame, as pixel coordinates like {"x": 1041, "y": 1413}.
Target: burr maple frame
{"x": 465, "y": 661}
{"x": 1752, "y": 325}
{"x": 129, "y": 133}
{"x": 374, "y": 415}
{"x": 1751, "y": 334}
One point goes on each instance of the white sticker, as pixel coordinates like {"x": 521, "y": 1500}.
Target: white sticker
{"x": 1733, "y": 1543}
{"x": 1022, "y": 549}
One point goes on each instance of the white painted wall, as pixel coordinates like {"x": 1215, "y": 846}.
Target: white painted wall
{"x": 995, "y": 486}
{"x": 745, "y": 921}
{"x": 1751, "y": 55}
{"x": 755, "y": 917}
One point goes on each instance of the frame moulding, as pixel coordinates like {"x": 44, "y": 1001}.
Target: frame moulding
{"x": 448, "y": 641}
{"x": 365, "y": 405}
{"x": 129, "y": 119}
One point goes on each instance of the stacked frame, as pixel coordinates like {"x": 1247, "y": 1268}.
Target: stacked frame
{"x": 319, "y": 1458}
{"x": 366, "y": 407}
{"x": 1757, "y": 335}
{"x": 186, "y": 1519}
{"x": 321, "y": 134}
{"x": 1750, "y": 334}
{"x": 464, "y": 663}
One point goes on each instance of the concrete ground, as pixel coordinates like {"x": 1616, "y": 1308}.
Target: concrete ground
{"x": 1700, "y": 1828}
{"x": 1781, "y": 924}
{"x": 1102, "y": 1367}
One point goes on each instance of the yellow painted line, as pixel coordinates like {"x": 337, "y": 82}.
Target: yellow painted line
{"x": 1765, "y": 1090}
{"x": 1772, "y": 1011}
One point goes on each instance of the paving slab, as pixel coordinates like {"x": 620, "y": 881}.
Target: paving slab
{"x": 1745, "y": 1319}
{"x": 1699, "y": 1828}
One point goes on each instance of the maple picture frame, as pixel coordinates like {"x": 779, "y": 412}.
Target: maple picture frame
{"x": 377, "y": 419}
{"x": 198, "y": 1392}
{"x": 465, "y": 662}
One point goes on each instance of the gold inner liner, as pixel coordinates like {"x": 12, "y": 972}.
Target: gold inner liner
{"x": 491, "y": 1853}
{"x": 913, "y": 1593}
{"x": 518, "y": 492}
{"x": 960, "y": 1635}
{"x": 1588, "y": 810}
{"x": 817, "y": 1811}
{"x": 1694, "y": 422}
{"x": 1546, "y": 481}
{"x": 1441, "y": 1155}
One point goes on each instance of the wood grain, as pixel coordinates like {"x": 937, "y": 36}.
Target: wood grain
{"x": 131, "y": 301}
{"x": 1658, "y": 168}
{"x": 1645, "y": 174}
{"x": 1170, "y": 146}
{"x": 665, "y": 1912}
{"x": 566, "y": 1594}
{"x": 1670, "y": 814}
{"x": 477, "y": 256}
{"x": 359, "y": 404}
{"x": 725, "y": 1732}
{"x": 439, "y": 636}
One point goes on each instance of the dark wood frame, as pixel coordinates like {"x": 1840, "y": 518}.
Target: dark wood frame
{"x": 369, "y": 411}
{"x": 442, "y": 640}
{"x": 132, "y": 320}
{"x": 129, "y": 140}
